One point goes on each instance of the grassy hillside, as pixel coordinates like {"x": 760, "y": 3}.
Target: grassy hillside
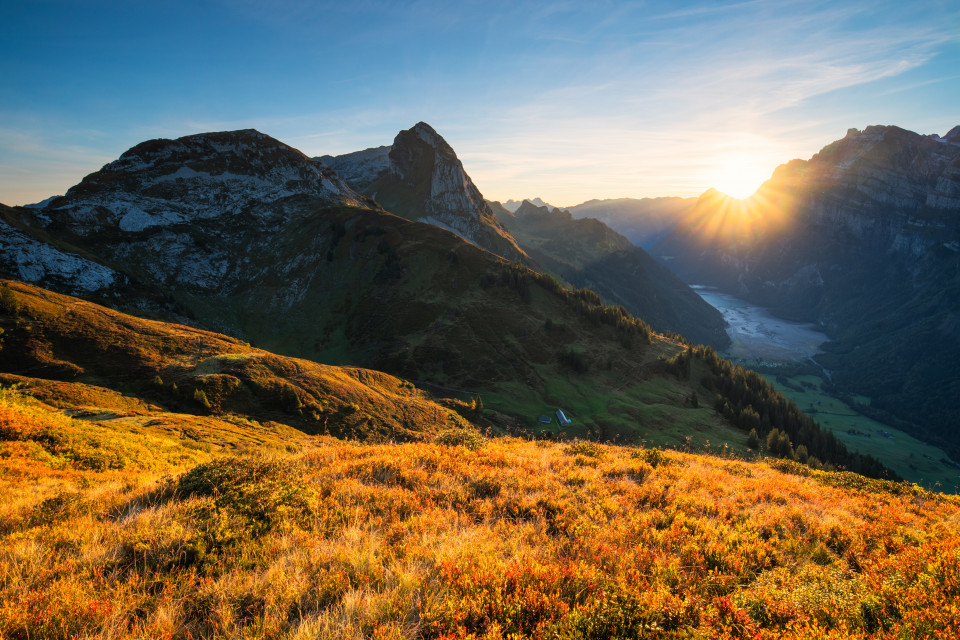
{"x": 616, "y": 379}
{"x": 186, "y": 370}
{"x": 324, "y": 538}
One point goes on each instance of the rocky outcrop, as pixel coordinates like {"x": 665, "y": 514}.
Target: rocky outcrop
{"x": 196, "y": 212}
{"x": 32, "y": 260}
{"x": 160, "y": 183}
{"x": 419, "y": 177}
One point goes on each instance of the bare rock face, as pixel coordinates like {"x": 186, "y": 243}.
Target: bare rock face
{"x": 196, "y": 178}
{"x": 419, "y": 177}
{"x": 31, "y": 260}
{"x": 195, "y": 212}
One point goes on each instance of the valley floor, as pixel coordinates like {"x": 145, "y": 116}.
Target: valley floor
{"x": 462, "y": 537}
{"x": 768, "y": 344}
{"x": 913, "y": 459}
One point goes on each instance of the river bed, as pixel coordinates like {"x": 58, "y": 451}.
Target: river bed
{"x": 755, "y": 334}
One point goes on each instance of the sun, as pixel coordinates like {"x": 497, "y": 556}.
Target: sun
{"x": 739, "y": 175}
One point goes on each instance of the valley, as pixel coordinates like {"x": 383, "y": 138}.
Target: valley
{"x": 759, "y": 338}
{"x": 859, "y": 240}
{"x": 784, "y": 352}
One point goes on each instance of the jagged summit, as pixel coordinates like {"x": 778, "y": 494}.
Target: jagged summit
{"x": 419, "y": 177}
{"x": 531, "y": 208}
{"x": 429, "y": 135}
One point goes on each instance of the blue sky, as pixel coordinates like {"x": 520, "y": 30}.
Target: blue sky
{"x": 563, "y": 100}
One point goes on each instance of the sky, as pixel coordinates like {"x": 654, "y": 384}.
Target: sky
{"x": 567, "y": 101}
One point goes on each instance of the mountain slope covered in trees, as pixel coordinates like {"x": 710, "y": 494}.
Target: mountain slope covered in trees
{"x": 587, "y": 253}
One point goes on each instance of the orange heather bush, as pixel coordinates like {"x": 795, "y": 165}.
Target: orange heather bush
{"x": 501, "y": 538}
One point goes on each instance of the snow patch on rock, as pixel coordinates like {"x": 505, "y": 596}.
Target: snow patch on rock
{"x": 35, "y": 261}
{"x": 360, "y": 167}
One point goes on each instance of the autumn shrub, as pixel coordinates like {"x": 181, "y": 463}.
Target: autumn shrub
{"x": 59, "y": 439}
{"x": 63, "y": 506}
{"x": 514, "y": 540}
{"x": 262, "y": 492}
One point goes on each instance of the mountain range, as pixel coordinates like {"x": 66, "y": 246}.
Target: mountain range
{"x": 238, "y": 233}
{"x": 863, "y": 239}
{"x": 162, "y": 479}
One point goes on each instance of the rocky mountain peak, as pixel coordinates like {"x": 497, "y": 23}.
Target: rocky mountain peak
{"x": 420, "y": 148}
{"x": 162, "y": 182}
{"x": 953, "y": 135}
{"x": 513, "y": 205}
{"x": 429, "y": 135}
{"x": 246, "y": 151}
{"x": 419, "y": 177}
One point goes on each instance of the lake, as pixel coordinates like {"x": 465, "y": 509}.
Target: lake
{"x": 755, "y": 334}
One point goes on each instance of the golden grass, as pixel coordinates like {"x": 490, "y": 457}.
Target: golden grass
{"x": 502, "y": 538}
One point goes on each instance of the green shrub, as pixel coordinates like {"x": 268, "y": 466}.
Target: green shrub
{"x": 261, "y": 492}
{"x": 460, "y": 437}
{"x": 653, "y": 457}
{"x": 588, "y": 449}
{"x": 201, "y": 398}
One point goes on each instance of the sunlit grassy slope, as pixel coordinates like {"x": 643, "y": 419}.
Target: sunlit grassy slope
{"x": 313, "y": 537}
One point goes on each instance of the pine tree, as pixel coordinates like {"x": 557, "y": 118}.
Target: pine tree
{"x": 201, "y": 397}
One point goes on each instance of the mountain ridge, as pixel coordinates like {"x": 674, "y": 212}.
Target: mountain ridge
{"x": 587, "y": 253}
{"x": 335, "y": 278}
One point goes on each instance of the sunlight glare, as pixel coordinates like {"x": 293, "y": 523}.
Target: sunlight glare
{"x": 739, "y": 175}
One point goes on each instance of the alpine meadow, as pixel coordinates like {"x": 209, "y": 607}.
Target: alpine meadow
{"x": 433, "y": 321}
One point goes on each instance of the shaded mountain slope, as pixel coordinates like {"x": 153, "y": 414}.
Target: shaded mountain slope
{"x": 47, "y": 336}
{"x": 306, "y": 272}
{"x": 863, "y": 239}
{"x": 587, "y": 253}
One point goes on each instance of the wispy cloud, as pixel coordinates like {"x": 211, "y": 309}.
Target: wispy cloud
{"x": 648, "y": 112}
